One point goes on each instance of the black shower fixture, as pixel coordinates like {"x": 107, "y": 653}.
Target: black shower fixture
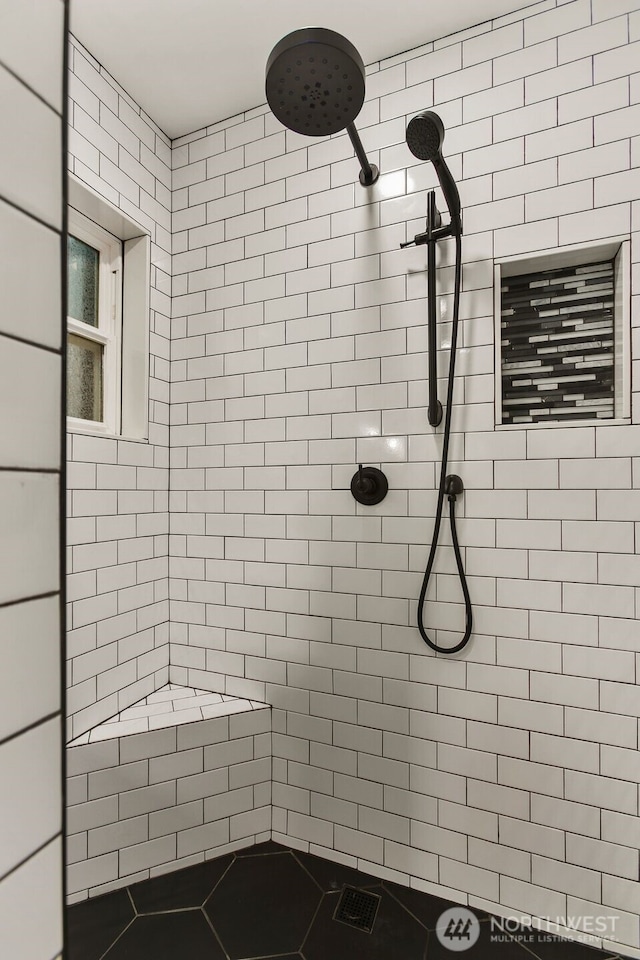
{"x": 315, "y": 83}
{"x": 369, "y": 485}
{"x": 425, "y": 134}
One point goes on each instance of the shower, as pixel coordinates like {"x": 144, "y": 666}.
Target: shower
{"x": 315, "y": 81}
{"x": 425, "y": 134}
{"x": 315, "y": 85}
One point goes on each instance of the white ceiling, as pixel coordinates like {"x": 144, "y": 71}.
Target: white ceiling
{"x": 189, "y": 63}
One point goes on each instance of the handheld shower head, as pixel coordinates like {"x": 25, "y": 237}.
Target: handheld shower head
{"x": 425, "y": 134}
{"x": 315, "y": 86}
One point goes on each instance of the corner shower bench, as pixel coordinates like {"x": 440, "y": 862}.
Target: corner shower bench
{"x": 180, "y": 776}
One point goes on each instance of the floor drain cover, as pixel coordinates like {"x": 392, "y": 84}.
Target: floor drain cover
{"x": 357, "y": 908}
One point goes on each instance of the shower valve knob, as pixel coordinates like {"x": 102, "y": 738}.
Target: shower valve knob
{"x": 369, "y": 485}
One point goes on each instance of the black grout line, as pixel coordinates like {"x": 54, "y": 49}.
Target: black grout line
{"x": 31, "y": 216}
{"x": 32, "y": 343}
{"x": 29, "y": 856}
{"x": 38, "y": 596}
{"x": 121, "y": 93}
{"x": 47, "y": 471}
{"x": 32, "y": 726}
{"x": 62, "y": 492}
{"x": 27, "y": 86}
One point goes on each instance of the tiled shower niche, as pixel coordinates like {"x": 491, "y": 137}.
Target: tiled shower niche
{"x": 562, "y": 337}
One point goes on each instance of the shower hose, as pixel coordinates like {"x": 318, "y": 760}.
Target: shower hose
{"x": 447, "y": 489}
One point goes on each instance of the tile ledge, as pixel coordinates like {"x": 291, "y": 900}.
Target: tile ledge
{"x": 170, "y": 706}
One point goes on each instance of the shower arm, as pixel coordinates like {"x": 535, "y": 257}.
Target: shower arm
{"x": 369, "y": 173}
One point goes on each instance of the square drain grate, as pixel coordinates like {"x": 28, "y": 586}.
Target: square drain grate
{"x": 357, "y": 909}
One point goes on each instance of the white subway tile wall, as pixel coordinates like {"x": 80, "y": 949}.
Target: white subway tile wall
{"x": 118, "y": 630}
{"x": 178, "y": 779}
{"x": 506, "y": 775}
{"x": 31, "y": 728}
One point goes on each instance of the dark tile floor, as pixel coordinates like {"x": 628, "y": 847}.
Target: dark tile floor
{"x": 272, "y": 902}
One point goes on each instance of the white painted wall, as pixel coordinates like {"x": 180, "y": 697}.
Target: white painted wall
{"x": 31, "y": 175}
{"x": 506, "y": 777}
{"x": 118, "y": 640}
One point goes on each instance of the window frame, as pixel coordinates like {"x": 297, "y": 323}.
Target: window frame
{"x": 108, "y": 332}
{"x": 137, "y": 312}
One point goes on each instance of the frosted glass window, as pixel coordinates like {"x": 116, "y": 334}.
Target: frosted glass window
{"x": 93, "y": 312}
{"x": 83, "y": 272}
{"x": 84, "y": 378}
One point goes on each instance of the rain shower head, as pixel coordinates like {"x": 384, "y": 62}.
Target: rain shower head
{"x": 315, "y": 86}
{"x": 425, "y": 134}
{"x": 315, "y": 82}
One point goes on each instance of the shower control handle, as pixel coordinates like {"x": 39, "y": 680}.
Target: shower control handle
{"x": 369, "y": 485}
{"x": 365, "y": 484}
